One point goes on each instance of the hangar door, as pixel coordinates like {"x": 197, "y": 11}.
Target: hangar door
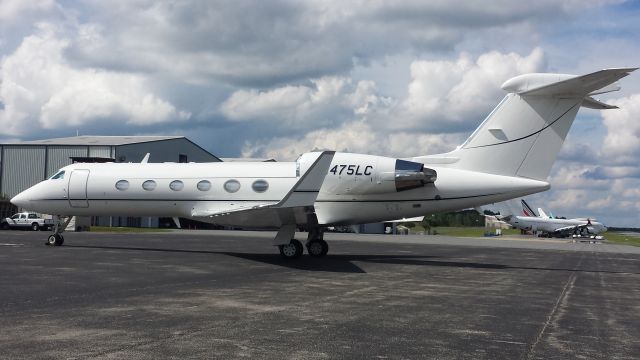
{"x": 78, "y": 188}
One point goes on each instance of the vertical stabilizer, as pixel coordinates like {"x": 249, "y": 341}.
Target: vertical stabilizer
{"x": 543, "y": 214}
{"x": 527, "y": 210}
{"x": 524, "y": 133}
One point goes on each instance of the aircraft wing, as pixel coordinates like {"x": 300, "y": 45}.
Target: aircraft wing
{"x": 571, "y": 228}
{"x": 583, "y": 85}
{"x": 302, "y": 194}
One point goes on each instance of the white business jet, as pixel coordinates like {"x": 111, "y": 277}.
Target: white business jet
{"x": 508, "y": 156}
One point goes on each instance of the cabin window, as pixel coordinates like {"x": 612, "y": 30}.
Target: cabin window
{"x": 122, "y": 185}
{"x": 260, "y": 186}
{"x": 204, "y": 185}
{"x": 176, "y": 185}
{"x": 57, "y": 176}
{"x": 232, "y": 186}
{"x": 149, "y": 185}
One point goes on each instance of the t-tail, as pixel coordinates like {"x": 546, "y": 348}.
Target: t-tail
{"x": 523, "y": 134}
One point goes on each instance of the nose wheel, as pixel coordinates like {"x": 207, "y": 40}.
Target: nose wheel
{"x": 55, "y": 240}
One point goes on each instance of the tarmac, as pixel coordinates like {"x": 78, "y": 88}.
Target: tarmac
{"x": 225, "y": 295}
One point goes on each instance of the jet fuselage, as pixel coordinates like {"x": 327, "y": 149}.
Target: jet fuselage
{"x": 356, "y": 189}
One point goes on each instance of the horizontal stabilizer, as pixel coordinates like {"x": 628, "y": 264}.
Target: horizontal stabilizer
{"x": 592, "y": 103}
{"x": 582, "y": 85}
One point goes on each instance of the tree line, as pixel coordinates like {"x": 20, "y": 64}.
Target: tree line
{"x": 459, "y": 218}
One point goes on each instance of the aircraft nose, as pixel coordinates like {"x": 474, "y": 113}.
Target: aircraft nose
{"x": 21, "y": 200}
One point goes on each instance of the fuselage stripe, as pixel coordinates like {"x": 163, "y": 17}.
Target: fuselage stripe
{"x": 271, "y": 200}
{"x": 527, "y": 136}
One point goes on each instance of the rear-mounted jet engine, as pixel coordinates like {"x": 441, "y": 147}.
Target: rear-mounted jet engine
{"x": 368, "y": 174}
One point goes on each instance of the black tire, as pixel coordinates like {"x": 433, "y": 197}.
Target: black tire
{"x": 292, "y": 250}
{"x": 35, "y": 226}
{"x": 5, "y": 226}
{"x": 55, "y": 240}
{"x": 317, "y": 248}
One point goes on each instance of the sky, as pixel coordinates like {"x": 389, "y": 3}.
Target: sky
{"x": 280, "y": 78}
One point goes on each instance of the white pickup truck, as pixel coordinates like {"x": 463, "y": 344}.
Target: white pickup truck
{"x": 27, "y": 220}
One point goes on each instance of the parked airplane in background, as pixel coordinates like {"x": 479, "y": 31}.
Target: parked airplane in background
{"x": 550, "y": 226}
{"x": 508, "y": 156}
{"x": 528, "y": 211}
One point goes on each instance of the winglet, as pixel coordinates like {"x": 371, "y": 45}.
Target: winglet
{"x": 305, "y": 191}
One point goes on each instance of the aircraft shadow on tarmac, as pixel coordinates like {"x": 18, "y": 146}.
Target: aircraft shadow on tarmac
{"x": 345, "y": 263}
{"x": 330, "y": 263}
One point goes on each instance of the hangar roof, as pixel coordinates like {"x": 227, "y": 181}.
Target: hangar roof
{"x": 248, "y": 159}
{"x": 98, "y": 140}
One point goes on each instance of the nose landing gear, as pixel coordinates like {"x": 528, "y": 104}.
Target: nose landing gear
{"x": 56, "y": 239}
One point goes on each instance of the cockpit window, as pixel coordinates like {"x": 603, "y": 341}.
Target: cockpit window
{"x": 57, "y": 176}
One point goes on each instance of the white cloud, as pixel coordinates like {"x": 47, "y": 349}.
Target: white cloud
{"x": 622, "y": 142}
{"x": 257, "y": 44}
{"x": 357, "y": 137}
{"x": 14, "y": 10}
{"x": 445, "y": 93}
{"x": 40, "y": 89}
{"x": 326, "y": 101}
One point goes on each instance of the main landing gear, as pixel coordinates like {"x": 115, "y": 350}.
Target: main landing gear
{"x": 292, "y": 250}
{"x": 56, "y": 239}
{"x": 316, "y": 246}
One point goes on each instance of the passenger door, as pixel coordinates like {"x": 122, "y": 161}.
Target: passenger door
{"x": 78, "y": 188}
